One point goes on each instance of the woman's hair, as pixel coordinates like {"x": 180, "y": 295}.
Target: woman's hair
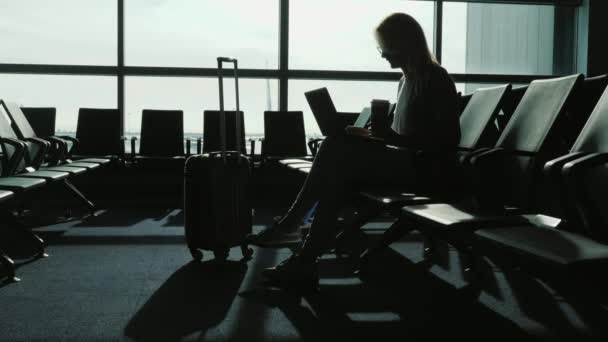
{"x": 401, "y": 32}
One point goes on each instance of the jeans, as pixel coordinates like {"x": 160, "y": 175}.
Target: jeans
{"x": 342, "y": 164}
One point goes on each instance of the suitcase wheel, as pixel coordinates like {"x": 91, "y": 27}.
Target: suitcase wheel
{"x": 221, "y": 254}
{"x": 197, "y": 254}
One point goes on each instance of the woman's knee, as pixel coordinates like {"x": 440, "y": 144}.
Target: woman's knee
{"x": 334, "y": 145}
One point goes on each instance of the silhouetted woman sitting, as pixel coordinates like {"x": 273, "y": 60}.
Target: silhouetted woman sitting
{"x": 425, "y": 118}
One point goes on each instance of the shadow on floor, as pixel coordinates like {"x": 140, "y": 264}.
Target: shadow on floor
{"x": 385, "y": 304}
{"x": 195, "y": 298}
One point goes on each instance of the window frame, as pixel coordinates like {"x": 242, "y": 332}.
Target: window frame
{"x": 283, "y": 73}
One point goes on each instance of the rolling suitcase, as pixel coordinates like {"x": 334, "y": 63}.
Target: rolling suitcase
{"x": 217, "y": 205}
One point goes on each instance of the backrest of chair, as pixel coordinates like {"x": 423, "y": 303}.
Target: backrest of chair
{"x": 284, "y": 134}
{"x": 463, "y": 101}
{"x": 538, "y": 112}
{"x": 211, "y": 131}
{"x": 22, "y": 127}
{"x": 99, "y": 132}
{"x": 162, "y": 133}
{"x": 477, "y": 118}
{"x": 7, "y": 131}
{"x": 590, "y": 121}
{"x": 529, "y": 140}
{"x": 508, "y": 106}
{"x": 42, "y": 120}
{"x": 591, "y": 194}
{"x": 594, "y": 135}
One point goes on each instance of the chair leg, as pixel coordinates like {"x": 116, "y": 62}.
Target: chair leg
{"x": 352, "y": 228}
{"x": 80, "y": 196}
{"x": 396, "y": 231}
{"x": 473, "y": 271}
{"x": 9, "y": 265}
{"x": 38, "y": 241}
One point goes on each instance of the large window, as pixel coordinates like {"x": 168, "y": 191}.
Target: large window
{"x": 58, "y": 32}
{"x": 498, "y": 38}
{"x": 161, "y": 54}
{"x": 192, "y": 33}
{"x": 339, "y": 34}
{"x": 66, "y": 93}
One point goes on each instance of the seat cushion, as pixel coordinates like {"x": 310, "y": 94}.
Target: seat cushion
{"x": 549, "y": 245}
{"x": 94, "y": 160}
{"x": 297, "y": 166}
{"x": 304, "y": 169}
{"x": 19, "y": 184}
{"x": 85, "y": 165}
{"x": 393, "y": 198}
{"x": 5, "y": 194}
{"x": 294, "y": 161}
{"x": 48, "y": 175}
{"x": 445, "y": 215}
{"x": 78, "y": 157}
{"x": 69, "y": 169}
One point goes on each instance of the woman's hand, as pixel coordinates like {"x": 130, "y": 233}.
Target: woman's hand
{"x": 358, "y": 131}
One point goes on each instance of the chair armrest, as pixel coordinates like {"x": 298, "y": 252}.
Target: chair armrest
{"x": 252, "y": 142}
{"x": 59, "y": 151}
{"x": 123, "y": 152}
{"x": 11, "y": 163}
{"x": 466, "y": 159}
{"x": 43, "y": 144}
{"x": 44, "y": 147}
{"x": 313, "y": 145}
{"x": 557, "y": 199}
{"x": 573, "y": 168}
{"x": 133, "y": 140}
{"x": 188, "y": 146}
{"x": 486, "y": 157}
{"x": 587, "y": 210}
{"x": 554, "y": 167}
{"x": 73, "y": 140}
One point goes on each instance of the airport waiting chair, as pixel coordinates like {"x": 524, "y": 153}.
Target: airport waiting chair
{"x": 478, "y": 131}
{"x": 98, "y": 135}
{"x": 284, "y": 136}
{"x": 28, "y": 163}
{"x": 211, "y": 132}
{"x": 13, "y": 152}
{"x": 506, "y": 179}
{"x": 42, "y": 120}
{"x": 8, "y": 265}
{"x": 574, "y": 245}
{"x": 161, "y": 138}
{"x": 57, "y": 152}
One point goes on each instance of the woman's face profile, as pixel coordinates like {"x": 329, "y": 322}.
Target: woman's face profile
{"x": 396, "y": 57}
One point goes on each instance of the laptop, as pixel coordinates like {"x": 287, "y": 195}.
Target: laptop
{"x": 329, "y": 120}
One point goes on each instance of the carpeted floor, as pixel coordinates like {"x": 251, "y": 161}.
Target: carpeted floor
{"x": 127, "y": 276}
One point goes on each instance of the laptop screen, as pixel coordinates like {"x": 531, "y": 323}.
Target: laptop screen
{"x": 363, "y": 117}
{"x": 323, "y": 109}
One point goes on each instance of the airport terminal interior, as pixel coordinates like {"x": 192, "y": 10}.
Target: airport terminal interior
{"x": 149, "y": 148}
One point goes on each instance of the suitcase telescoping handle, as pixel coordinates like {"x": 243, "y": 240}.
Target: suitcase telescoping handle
{"x": 223, "y": 131}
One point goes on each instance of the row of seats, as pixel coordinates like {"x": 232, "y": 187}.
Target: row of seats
{"x": 29, "y": 164}
{"x": 530, "y": 191}
{"x": 98, "y": 133}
